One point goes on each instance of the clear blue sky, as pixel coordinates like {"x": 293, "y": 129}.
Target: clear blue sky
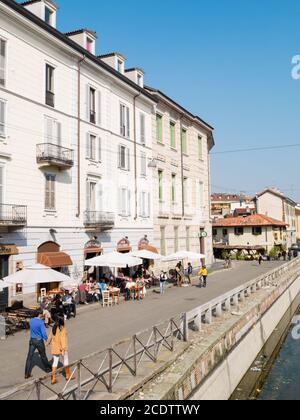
{"x": 229, "y": 61}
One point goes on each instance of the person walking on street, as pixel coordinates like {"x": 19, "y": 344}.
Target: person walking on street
{"x": 38, "y": 337}
{"x": 58, "y": 339}
{"x": 203, "y": 276}
{"x": 260, "y": 260}
{"x": 163, "y": 280}
{"x": 190, "y": 273}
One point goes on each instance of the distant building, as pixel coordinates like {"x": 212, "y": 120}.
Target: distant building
{"x": 298, "y": 221}
{"x": 225, "y": 204}
{"x": 251, "y": 234}
{"x": 273, "y": 203}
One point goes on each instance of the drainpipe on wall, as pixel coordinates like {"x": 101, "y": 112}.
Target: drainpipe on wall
{"x": 135, "y": 156}
{"x": 79, "y": 137}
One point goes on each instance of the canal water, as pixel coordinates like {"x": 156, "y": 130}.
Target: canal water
{"x": 275, "y": 374}
{"x": 283, "y": 382}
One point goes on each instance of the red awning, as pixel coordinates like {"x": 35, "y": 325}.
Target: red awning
{"x": 148, "y": 248}
{"x": 54, "y": 259}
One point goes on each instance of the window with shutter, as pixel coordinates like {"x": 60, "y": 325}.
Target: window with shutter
{"x": 124, "y": 121}
{"x": 128, "y": 202}
{"x": 124, "y": 158}
{"x": 99, "y": 149}
{"x": 159, "y": 128}
{"x": 143, "y": 129}
{"x": 1, "y": 184}
{"x": 127, "y": 122}
{"x": 143, "y": 164}
{"x": 2, "y": 118}
{"x": 50, "y": 192}
{"x": 2, "y": 62}
{"x": 173, "y": 135}
{"x": 50, "y": 85}
{"x": 99, "y": 108}
{"x": 184, "y": 141}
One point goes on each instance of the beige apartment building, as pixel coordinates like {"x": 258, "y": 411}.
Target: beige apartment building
{"x": 181, "y": 146}
{"x": 273, "y": 203}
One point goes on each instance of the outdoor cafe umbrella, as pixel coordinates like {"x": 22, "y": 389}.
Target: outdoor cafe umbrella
{"x": 146, "y": 255}
{"x": 3, "y": 285}
{"x": 36, "y": 274}
{"x": 114, "y": 260}
{"x": 183, "y": 255}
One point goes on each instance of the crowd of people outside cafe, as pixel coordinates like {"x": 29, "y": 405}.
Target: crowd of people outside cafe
{"x": 53, "y": 313}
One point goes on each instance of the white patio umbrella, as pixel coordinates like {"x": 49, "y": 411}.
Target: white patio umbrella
{"x": 36, "y": 274}
{"x": 183, "y": 255}
{"x": 114, "y": 260}
{"x": 3, "y": 285}
{"x": 146, "y": 255}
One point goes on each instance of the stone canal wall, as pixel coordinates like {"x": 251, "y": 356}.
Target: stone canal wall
{"x": 227, "y": 339}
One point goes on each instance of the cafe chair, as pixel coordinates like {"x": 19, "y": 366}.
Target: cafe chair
{"x": 107, "y": 300}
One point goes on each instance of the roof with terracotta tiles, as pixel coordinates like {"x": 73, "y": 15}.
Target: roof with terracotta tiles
{"x": 253, "y": 220}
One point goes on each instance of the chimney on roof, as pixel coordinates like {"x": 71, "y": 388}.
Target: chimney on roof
{"x": 44, "y": 9}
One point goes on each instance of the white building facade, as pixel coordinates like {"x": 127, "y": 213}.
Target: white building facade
{"x": 75, "y": 144}
{"x": 78, "y": 173}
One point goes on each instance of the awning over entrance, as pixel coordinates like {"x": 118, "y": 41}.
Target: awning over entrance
{"x": 54, "y": 259}
{"x": 124, "y": 245}
{"x": 149, "y": 248}
{"x": 93, "y": 251}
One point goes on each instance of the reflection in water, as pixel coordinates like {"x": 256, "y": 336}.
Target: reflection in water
{"x": 283, "y": 382}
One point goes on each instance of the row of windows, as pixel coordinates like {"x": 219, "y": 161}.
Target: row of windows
{"x": 53, "y": 135}
{"x": 173, "y": 140}
{"x": 93, "y": 100}
{"x": 239, "y": 231}
{"x": 174, "y": 188}
{"x": 94, "y": 198}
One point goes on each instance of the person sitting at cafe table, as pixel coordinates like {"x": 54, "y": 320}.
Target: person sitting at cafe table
{"x": 46, "y": 308}
{"x": 129, "y": 285}
{"x": 69, "y": 307}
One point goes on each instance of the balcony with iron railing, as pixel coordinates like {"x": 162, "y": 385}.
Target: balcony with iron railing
{"x": 13, "y": 215}
{"x": 99, "y": 220}
{"x": 48, "y": 154}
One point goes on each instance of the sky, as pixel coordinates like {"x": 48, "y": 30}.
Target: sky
{"x": 228, "y": 61}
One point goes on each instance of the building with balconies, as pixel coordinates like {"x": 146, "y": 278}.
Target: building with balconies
{"x": 75, "y": 145}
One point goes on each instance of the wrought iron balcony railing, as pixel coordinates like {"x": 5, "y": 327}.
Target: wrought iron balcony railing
{"x": 13, "y": 215}
{"x": 52, "y": 154}
{"x": 99, "y": 219}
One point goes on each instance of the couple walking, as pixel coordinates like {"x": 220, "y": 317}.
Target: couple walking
{"x": 58, "y": 339}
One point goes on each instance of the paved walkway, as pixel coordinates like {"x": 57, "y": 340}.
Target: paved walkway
{"x": 96, "y": 328}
